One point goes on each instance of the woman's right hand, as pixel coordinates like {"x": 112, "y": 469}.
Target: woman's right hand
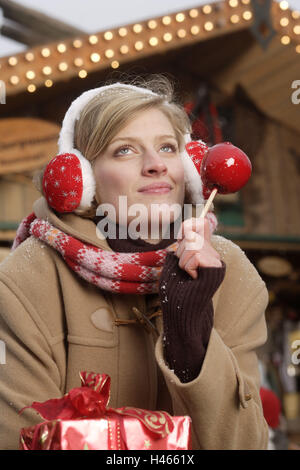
{"x": 194, "y": 247}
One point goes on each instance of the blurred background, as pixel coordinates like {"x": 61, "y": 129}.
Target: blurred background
{"x": 235, "y": 67}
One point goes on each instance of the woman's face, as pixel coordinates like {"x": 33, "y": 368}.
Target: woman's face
{"x": 144, "y": 153}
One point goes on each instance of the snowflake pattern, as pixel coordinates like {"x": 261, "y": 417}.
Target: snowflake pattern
{"x": 196, "y": 151}
{"x": 77, "y": 178}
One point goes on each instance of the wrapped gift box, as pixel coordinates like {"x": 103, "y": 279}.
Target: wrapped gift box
{"x": 82, "y": 420}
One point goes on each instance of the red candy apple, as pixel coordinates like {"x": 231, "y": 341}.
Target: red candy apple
{"x": 225, "y": 168}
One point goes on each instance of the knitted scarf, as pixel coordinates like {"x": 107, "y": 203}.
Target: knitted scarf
{"x": 124, "y": 273}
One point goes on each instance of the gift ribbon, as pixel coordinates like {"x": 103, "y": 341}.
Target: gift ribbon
{"x": 91, "y": 401}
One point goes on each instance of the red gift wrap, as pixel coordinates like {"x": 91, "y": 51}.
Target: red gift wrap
{"x": 82, "y": 420}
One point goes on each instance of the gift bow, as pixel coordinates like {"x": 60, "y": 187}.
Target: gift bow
{"x": 91, "y": 401}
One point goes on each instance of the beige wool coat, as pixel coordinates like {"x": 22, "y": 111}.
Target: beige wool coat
{"x": 54, "y": 324}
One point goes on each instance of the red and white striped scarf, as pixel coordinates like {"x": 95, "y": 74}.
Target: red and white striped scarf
{"x": 130, "y": 273}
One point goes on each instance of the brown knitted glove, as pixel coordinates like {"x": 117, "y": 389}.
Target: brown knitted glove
{"x": 187, "y": 315}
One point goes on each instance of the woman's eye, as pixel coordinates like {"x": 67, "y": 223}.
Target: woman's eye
{"x": 120, "y": 151}
{"x": 171, "y": 147}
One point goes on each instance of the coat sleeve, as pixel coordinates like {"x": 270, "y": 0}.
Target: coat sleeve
{"x": 223, "y": 401}
{"x": 28, "y": 369}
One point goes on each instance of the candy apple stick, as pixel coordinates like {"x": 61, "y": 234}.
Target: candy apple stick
{"x": 208, "y": 203}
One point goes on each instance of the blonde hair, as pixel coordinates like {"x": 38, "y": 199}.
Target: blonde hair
{"x": 106, "y": 114}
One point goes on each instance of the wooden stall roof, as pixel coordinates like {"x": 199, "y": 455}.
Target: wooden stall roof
{"x": 266, "y": 75}
{"x": 28, "y": 26}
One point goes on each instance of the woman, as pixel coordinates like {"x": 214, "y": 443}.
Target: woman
{"x": 175, "y": 330}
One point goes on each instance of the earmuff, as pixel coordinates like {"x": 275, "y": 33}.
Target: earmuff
{"x": 68, "y": 181}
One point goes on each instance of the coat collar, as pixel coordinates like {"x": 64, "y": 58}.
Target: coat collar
{"x": 70, "y": 223}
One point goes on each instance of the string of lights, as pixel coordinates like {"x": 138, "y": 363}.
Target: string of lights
{"x": 43, "y": 66}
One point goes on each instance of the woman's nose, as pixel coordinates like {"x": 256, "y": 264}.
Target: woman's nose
{"x": 153, "y": 164}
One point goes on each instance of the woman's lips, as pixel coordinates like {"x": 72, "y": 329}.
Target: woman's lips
{"x": 156, "y": 191}
{"x": 156, "y": 188}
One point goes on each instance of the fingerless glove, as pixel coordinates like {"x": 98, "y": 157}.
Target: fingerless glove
{"x": 187, "y": 315}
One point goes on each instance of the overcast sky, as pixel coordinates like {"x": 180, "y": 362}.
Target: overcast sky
{"x": 96, "y": 15}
